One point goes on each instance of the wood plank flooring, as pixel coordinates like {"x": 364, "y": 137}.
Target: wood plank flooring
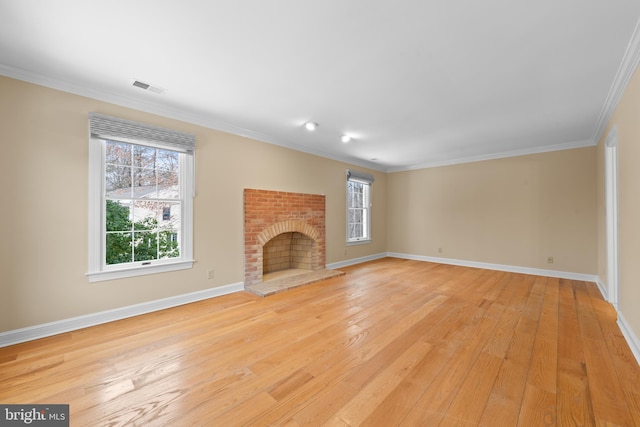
{"x": 391, "y": 343}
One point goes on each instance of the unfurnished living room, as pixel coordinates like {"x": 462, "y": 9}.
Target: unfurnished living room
{"x": 340, "y": 213}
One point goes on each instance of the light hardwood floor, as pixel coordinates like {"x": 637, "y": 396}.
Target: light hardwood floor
{"x": 392, "y": 342}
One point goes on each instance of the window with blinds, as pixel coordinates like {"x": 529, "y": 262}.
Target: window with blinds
{"x": 141, "y": 191}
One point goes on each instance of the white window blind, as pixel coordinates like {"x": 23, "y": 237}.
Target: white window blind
{"x": 364, "y": 177}
{"x": 116, "y": 129}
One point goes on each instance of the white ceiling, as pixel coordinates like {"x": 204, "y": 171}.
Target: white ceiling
{"x": 416, "y": 83}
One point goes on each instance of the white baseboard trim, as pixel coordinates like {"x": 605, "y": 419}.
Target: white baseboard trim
{"x": 340, "y": 264}
{"x": 603, "y": 289}
{"x": 499, "y": 267}
{"x": 53, "y": 328}
{"x": 631, "y": 338}
{"x": 476, "y": 264}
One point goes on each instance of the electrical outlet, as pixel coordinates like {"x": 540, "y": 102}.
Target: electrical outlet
{"x": 439, "y": 250}
{"x": 210, "y": 274}
{"x": 549, "y": 260}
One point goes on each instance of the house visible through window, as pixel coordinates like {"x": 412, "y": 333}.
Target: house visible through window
{"x": 141, "y": 189}
{"x": 358, "y": 206}
{"x": 166, "y": 213}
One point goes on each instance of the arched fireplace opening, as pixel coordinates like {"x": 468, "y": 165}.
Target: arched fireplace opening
{"x": 287, "y": 254}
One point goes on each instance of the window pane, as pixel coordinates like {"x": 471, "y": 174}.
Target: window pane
{"x": 118, "y": 248}
{"x": 355, "y": 231}
{"x": 167, "y": 161}
{"x": 357, "y": 200}
{"x": 144, "y": 183}
{"x": 118, "y": 153}
{"x": 145, "y": 246}
{"x": 168, "y": 185}
{"x": 168, "y": 244}
{"x": 356, "y": 194}
{"x": 145, "y": 215}
{"x": 352, "y": 216}
{"x": 168, "y": 226}
{"x": 118, "y": 215}
{"x": 144, "y": 157}
{"x": 117, "y": 181}
{"x": 355, "y": 215}
{"x": 168, "y": 168}
{"x": 169, "y": 213}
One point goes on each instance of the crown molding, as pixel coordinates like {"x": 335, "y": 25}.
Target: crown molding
{"x": 627, "y": 67}
{"x": 499, "y": 155}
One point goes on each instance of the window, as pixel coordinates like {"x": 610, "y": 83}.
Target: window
{"x": 358, "y": 206}
{"x": 140, "y": 199}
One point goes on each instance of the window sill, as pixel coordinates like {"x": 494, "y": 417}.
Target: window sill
{"x": 358, "y": 242}
{"x": 100, "y": 276}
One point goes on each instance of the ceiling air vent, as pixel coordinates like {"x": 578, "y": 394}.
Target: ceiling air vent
{"x": 147, "y": 86}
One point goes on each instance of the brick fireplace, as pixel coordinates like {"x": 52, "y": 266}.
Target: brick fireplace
{"x": 282, "y": 231}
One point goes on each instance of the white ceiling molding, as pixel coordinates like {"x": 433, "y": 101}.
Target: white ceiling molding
{"x": 502, "y": 155}
{"x": 628, "y": 66}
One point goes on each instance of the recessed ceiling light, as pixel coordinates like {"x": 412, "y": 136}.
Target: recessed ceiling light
{"x": 345, "y": 138}
{"x": 310, "y": 126}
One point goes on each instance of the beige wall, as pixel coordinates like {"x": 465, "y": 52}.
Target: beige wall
{"x": 627, "y": 119}
{"x": 44, "y": 171}
{"x": 514, "y": 211}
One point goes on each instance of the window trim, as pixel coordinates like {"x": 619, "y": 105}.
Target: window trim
{"x": 98, "y": 270}
{"x": 367, "y": 179}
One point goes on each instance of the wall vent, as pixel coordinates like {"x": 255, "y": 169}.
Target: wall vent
{"x": 147, "y": 86}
